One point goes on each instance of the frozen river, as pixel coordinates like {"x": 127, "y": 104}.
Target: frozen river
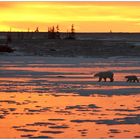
{"x": 47, "y": 97}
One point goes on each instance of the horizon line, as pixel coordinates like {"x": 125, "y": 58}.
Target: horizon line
{"x": 65, "y": 32}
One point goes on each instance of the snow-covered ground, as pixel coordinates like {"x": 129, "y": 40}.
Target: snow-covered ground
{"x": 59, "y": 97}
{"x": 75, "y": 74}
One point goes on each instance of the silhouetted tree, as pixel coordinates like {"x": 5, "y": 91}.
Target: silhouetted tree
{"x": 72, "y": 29}
{"x": 57, "y": 32}
{"x": 37, "y": 29}
{"x": 57, "y": 28}
{"x": 71, "y": 35}
{"x": 52, "y": 33}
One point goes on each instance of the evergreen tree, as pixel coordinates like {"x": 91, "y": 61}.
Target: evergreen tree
{"x": 72, "y": 35}
{"x": 37, "y": 29}
{"x": 57, "y": 32}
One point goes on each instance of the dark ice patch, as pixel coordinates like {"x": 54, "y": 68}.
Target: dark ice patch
{"x": 52, "y": 132}
{"x": 26, "y": 130}
{"x": 40, "y": 124}
{"x": 27, "y": 136}
{"x": 59, "y": 126}
{"x": 56, "y": 119}
{"x": 114, "y": 131}
{"x": 41, "y": 137}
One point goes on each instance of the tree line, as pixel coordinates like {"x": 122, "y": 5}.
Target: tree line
{"x": 54, "y": 32}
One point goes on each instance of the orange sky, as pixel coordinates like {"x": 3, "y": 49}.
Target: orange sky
{"x": 86, "y": 16}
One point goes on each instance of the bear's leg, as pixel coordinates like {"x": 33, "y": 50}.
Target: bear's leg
{"x": 100, "y": 79}
{"x": 105, "y": 79}
{"x": 137, "y": 80}
{"x": 128, "y": 80}
{"x": 111, "y": 79}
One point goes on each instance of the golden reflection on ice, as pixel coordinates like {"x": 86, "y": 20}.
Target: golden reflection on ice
{"x": 64, "y": 100}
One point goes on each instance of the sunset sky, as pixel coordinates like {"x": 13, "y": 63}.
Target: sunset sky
{"x": 86, "y": 16}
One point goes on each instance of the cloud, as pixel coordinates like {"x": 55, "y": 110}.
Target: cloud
{"x": 29, "y": 14}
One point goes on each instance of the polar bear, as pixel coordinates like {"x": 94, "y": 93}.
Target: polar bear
{"x": 104, "y": 75}
{"x": 132, "y": 78}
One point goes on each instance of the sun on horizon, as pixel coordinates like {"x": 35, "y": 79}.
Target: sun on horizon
{"x": 86, "y": 16}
